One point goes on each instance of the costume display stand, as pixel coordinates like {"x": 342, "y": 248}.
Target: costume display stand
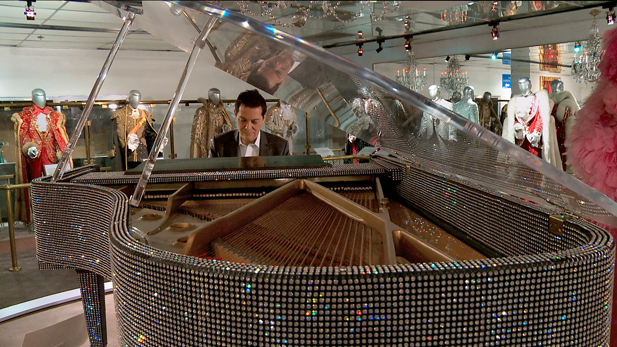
{"x": 370, "y": 114}
{"x": 282, "y": 120}
{"x": 466, "y": 107}
{"x": 430, "y": 125}
{"x": 209, "y": 120}
{"x": 132, "y": 134}
{"x": 530, "y": 125}
{"x": 41, "y": 138}
{"x": 563, "y": 109}
{"x": 488, "y": 116}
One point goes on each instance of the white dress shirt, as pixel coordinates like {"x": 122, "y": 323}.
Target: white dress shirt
{"x": 252, "y": 150}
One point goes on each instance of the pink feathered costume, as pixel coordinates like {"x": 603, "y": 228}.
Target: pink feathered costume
{"x": 592, "y": 142}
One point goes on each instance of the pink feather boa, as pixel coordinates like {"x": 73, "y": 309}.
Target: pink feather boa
{"x": 592, "y": 142}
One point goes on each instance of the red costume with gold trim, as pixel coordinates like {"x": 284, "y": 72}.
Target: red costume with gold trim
{"x": 50, "y": 144}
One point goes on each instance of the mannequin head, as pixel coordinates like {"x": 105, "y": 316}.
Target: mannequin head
{"x": 214, "y": 95}
{"x": 39, "y": 98}
{"x": 524, "y": 84}
{"x": 468, "y": 93}
{"x": 434, "y": 92}
{"x": 134, "y": 98}
{"x": 487, "y": 97}
{"x": 456, "y": 96}
{"x": 556, "y": 86}
{"x": 364, "y": 92}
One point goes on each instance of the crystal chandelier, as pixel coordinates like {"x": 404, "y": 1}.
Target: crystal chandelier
{"x": 585, "y": 66}
{"x": 453, "y": 79}
{"x": 303, "y": 11}
{"x": 412, "y": 77}
{"x": 455, "y": 15}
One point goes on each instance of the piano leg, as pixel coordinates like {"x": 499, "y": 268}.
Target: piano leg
{"x": 93, "y": 298}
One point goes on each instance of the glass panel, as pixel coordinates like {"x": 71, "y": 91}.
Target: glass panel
{"x": 401, "y": 123}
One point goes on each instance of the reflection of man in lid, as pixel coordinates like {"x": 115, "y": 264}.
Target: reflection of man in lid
{"x": 269, "y": 74}
{"x": 248, "y": 140}
{"x": 258, "y": 60}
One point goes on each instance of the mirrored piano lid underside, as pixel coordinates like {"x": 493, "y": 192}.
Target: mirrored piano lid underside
{"x": 388, "y": 115}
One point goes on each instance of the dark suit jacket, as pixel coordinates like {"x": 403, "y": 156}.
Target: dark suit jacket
{"x": 226, "y": 145}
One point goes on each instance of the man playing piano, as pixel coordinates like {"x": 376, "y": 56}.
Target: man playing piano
{"x": 248, "y": 140}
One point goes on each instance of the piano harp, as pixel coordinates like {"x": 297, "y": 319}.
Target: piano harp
{"x": 345, "y": 221}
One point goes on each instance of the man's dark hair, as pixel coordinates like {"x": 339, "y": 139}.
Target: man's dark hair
{"x": 251, "y": 99}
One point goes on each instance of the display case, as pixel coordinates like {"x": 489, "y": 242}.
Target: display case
{"x": 449, "y": 235}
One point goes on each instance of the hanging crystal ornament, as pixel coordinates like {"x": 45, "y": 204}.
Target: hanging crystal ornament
{"x": 453, "y": 79}
{"x": 300, "y": 17}
{"x": 304, "y": 13}
{"x": 412, "y": 77}
{"x": 585, "y": 66}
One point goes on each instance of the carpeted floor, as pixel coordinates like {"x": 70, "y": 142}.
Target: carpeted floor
{"x": 29, "y": 283}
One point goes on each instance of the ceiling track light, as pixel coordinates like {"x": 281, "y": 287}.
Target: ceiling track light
{"x": 30, "y": 10}
{"x": 408, "y": 44}
{"x": 447, "y": 59}
{"x": 495, "y": 32}
{"x": 494, "y": 55}
{"x": 379, "y": 49}
{"x": 467, "y": 56}
{"x": 360, "y": 34}
{"x": 610, "y": 16}
{"x": 360, "y": 49}
{"x": 577, "y": 47}
{"x": 407, "y": 23}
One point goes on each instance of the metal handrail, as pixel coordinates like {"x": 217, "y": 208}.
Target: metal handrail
{"x": 11, "y": 220}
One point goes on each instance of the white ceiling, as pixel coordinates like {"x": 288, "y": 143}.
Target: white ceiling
{"x": 84, "y": 25}
{"x": 69, "y": 25}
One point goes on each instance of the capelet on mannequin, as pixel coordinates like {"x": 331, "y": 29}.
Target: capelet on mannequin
{"x": 209, "y": 120}
{"x": 50, "y": 144}
{"x": 550, "y": 149}
{"x": 124, "y": 123}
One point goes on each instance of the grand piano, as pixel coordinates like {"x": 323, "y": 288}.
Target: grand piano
{"x": 449, "y": 237}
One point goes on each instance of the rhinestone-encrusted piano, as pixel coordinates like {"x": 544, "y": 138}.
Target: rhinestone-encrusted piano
{"x": 448, "y": 236}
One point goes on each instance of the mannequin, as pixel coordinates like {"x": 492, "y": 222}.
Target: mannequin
{"x": 488, "y": 116}
{"x": 353, "y": 146}
{"x": 370, "y": 113}
{"x": 41, "y": 138}
{"x": 430, "y": 125}
{"x": 209, "y": 120}
{"x": 281, "y": 120}
{"x": 530, "y": 125}
{"x": 467, "y": 107}
{"x": 564, "y": 109}
{"x": 456, "y": 97}
{"x": 132, "y": 134}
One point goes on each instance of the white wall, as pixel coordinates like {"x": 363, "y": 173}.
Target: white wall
{"x": 70, "y": 74}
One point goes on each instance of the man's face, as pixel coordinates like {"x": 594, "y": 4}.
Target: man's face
{"x": 249, "y": 121}
{"x": 276, "y": 68}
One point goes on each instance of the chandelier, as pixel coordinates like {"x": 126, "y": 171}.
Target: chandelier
{"x": 411, "y": 76}
{"x": 585, "y": 66}
{"x": 303, "y": 11}
{"x": 453, "y": 80}
{"x": 455, "y": 15}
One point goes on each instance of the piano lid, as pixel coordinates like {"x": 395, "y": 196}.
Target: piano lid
{"x": 406, "y": 126}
